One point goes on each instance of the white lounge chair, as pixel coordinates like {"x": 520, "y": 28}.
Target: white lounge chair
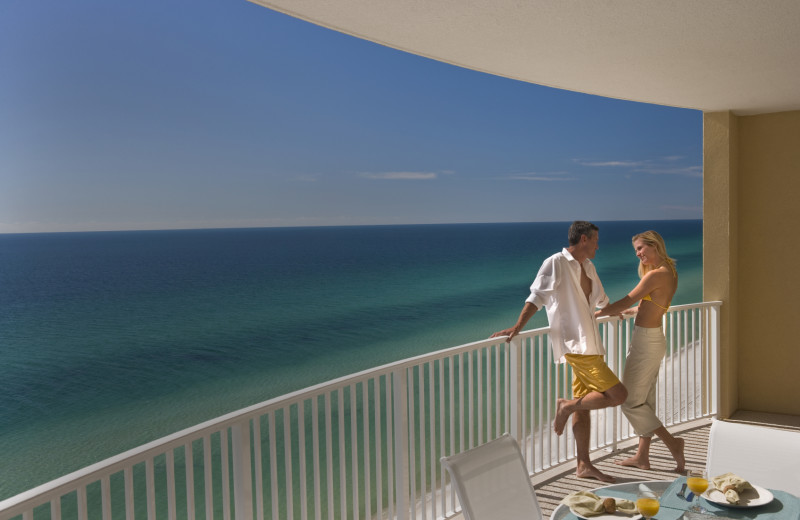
{"x": 492, "y": 483}
{"x": 765, "y": 456}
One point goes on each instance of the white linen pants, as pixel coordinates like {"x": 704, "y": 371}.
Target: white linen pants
{"x": 646, "y": 351}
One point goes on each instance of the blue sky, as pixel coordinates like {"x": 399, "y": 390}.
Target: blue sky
{"x": 161, "y": 114}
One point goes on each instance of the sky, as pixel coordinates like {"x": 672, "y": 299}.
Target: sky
{"x": 173, "y": 114}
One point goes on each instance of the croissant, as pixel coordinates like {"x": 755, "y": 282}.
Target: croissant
{"x": 731, "y": 485}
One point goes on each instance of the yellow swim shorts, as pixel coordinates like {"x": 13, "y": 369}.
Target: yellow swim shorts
{"x": 590, "y": 373}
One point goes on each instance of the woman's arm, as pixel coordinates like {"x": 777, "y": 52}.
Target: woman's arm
{"x": 616, "y": 308}
{"x": 630, "y": 312}
{"x": 645, "y": 286}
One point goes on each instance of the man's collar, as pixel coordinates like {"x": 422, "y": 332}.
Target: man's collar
{"x": 569, "y": 256}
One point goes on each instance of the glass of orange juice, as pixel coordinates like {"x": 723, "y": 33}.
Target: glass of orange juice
{"x": 697, "y": 481}
{"x": 647, "y": 504}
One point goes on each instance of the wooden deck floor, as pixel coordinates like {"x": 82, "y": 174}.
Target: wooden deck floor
{"x": 554, "y": 485}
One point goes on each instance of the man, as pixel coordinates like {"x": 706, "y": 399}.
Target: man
{"x": 568, "y": 286}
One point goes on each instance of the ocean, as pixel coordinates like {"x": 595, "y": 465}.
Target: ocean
{"x": 109, "y": 340}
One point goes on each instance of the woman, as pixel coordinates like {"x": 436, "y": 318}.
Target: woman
{"x": 655, "y": 290}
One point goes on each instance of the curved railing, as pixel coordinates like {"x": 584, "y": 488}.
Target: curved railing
{"x": 368, "y": 445}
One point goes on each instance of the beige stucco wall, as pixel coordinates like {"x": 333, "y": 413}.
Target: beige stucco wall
{"x": 751, "y": 211}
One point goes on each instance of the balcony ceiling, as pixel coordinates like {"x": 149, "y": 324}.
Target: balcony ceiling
{"x": 710, "y": 55}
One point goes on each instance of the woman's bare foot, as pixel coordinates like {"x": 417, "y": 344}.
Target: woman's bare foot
{"x": 561, "y": 416}
{"x": 634, "y": 461}
{"x": 589, "y": 471}
{"x": 677, "y": 454}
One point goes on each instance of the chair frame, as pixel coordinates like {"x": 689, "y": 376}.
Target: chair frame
{"x": 491, "y": 480}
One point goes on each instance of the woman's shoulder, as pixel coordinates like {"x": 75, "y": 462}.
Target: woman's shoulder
{"x": 661, "y": 276}
{"x": 666, "y": 270}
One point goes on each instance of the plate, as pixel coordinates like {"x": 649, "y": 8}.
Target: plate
{"x": 758, "y": 496}
{"x": 608, "y": 516}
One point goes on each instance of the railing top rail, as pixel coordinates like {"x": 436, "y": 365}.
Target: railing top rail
{"x": 17, "y": 504}
{"x": 136, "y": 455}
{"x": 673, "y": 308}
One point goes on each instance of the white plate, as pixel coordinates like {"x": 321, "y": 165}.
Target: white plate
{"x": 608, "y": 516}
{"x": 758, "y": 496}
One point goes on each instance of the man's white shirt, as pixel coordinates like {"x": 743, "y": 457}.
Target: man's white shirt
{"x": 557, "y": 288}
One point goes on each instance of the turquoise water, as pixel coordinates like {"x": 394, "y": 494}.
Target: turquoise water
{"x": 110, "y": 340}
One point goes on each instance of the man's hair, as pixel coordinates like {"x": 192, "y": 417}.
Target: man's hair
{"x": 581, "y": 227}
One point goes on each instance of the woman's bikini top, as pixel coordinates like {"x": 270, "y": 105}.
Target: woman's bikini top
{"x": 648, "y": 298}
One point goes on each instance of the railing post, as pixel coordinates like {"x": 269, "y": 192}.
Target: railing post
{"x": 715, "y": 356}
{"x": 515, "y": 381}
{"x": 401, "y": 455}
{"x": 242, "y": 479}
{"x": 612, "y": 339}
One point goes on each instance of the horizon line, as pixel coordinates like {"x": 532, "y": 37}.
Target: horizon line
{"x": 300, "y": 226}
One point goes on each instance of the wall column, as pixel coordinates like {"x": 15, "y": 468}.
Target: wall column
{"x": 720, "y": 241}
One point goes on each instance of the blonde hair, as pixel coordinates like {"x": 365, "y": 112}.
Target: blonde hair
{"x": 653, "y": 239}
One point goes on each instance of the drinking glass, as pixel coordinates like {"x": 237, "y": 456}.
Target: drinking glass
{"x": 647, "y": 504}
{"x": 697, "y": 481}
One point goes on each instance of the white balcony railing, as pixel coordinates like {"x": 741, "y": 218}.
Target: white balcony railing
{"x": 368, "y": 445}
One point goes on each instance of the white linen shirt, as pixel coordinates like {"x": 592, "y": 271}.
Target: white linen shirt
{"x": 557, "y": 288}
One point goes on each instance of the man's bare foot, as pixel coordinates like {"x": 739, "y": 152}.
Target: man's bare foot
{"x": 589, "y": 471}
{"x": 561, "y": 416}
{"x": 635, "y": 462}
{"x": 678, "y": 455}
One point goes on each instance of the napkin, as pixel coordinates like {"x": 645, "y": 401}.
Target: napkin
{"x": 731, "y": 485}
{"x": 587, "y": 504}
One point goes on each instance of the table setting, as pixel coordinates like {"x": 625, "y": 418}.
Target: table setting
{"x": 695, "y": 496}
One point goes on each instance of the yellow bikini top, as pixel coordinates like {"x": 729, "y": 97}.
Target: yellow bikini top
{"x": 648, "y": 298}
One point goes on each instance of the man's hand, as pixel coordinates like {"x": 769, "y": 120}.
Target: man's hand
{"x": 527, "y": 312}
{"x": 510, "y": 332}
